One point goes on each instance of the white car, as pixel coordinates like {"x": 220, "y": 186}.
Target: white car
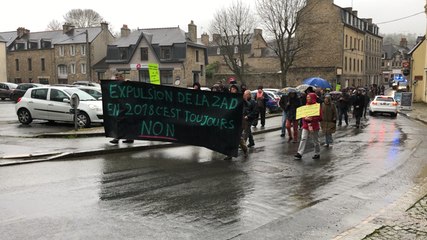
{"x": 53, "y": 104}
{"x": 383, "y": 104}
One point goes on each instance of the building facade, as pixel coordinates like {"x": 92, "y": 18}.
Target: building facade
{"x": 337, "y": 46}
{"x": 53, "y": 57}
{"x": 3, "y": 62}
{"x": 181, "y": 59}
{"x": 393, "y": 56}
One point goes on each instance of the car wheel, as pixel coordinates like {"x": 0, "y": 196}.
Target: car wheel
{"x": 24, "y": 116}
{"x": 83, "y": 120}
{"x": 371, "y": 113}
{"x": 3, "y": 98}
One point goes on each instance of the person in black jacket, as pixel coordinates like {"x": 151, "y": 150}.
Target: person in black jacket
{"x": 358, "y": 104}
{"x": 250, "y": 114}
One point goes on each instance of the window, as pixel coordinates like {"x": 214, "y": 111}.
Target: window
{"x": 73, "y": 68}
{"x": 236, "y": 49}
{"x": 43, "y": 64}
{"x": 144, "y": 54}
{"x": 123, "y": 53}
{"x": 346, "y": 41}
{"x": 20, "y": 46}
{"x": 83, "y": 50}
{"x": 46, "y": 44}
{"x": 39, "y": 94}
{"x": 33, "y": 45}
{"x": 30, "y": 64}
{"x": 165, "y": 53}
{"x": 83, "y": 68}
{"x": 351, "y": 42}
{"x": 17, "y": 65}
{"x": 72, "y": 50}
{"x": 345, "y": 64}
{"x": 144, "y": 76}
{"x": 201, "y": 70}
{"x": 57, "y": 95}
{"x": 197, "y": 56}
{"x": 349, "y": 65}
{"x": 166, "y": 77}
{"x": 61, "y": 50}
{"x": 62, "y": 70}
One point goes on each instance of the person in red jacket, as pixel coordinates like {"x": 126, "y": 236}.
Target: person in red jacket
{"x": 310, "y": 126}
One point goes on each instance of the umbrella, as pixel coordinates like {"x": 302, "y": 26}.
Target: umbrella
{"x": 304, "y": 87}
{"x": 317, "y": 82}
{"x": 287, "y": 90}
{"x": 335, "y": 92}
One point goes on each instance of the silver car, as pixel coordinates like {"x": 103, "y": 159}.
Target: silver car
{"x": 52, "y": 103}
{"x": 6, "y": 89}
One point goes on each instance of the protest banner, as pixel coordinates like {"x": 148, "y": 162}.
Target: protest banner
{"x": 308, "y": 111}
{"x": 142, "y": 111}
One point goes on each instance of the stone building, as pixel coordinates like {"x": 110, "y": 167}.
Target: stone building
{"x": 181, "y": 58}
{"x": 393, "y": 56}
{"x": 53, "y": 57}
{"x": 259, "y": 59}
{"x": 337, "y": 46}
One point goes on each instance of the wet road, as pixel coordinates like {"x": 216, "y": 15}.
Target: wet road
{"x": 191, "y": 193}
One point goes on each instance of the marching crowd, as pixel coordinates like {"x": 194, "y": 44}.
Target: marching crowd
{"x": 334, "y": 111}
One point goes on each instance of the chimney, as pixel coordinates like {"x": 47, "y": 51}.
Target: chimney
{"x": 216, "y": 38}
{"x": 67, "y": 28}
{"x": 205, "y": 39}
{"x": 192, "y": 31}
{"x": 354, "y": 13}
{"x": 403, "y": 42}
{"x": 22, "y": 32}
{"x": 124, "y": 31}
{"x": 104, "y": 26}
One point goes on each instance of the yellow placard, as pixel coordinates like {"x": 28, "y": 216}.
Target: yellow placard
{"x": 308, "y": 111}
{"x": 338, "y": 87}
{"x": 153, "y": 70}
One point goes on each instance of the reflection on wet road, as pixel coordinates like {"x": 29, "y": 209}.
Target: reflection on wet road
{"x": 191, "y": 193}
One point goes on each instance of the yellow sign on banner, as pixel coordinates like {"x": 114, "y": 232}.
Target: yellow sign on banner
{"x": 308, "y": 111}
{"x": 338, "y": 87}
{"x": 153, "y": 70}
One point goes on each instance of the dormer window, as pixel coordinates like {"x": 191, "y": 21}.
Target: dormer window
{"x": 123, "y": 53}
{"x": 33, "y": 45}
{"x": 19, "y": 46}
{"x": 165, "y": 53}
{"x": 46, "y": 44}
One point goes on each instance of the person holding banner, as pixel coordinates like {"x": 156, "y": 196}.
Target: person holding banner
{"x": 310, "y": 125}
{"x": 115, "y": 141}
{"x": 291, "y": 114}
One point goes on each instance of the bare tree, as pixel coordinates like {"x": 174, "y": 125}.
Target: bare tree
{"x": 81, "y": 18}
{"x": 281, "y": 18}
{"x": 54, "y": 25}
{"x": 233, "y": 25}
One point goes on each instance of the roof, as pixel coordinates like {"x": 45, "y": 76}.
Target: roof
{"x": 155, "y": 36}
{"x": 57, "y": 37}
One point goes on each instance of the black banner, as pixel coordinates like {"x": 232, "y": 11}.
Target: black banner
{"x": 136, "y": 110}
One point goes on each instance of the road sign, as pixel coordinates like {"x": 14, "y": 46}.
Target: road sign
{"x": 405, "y": 64}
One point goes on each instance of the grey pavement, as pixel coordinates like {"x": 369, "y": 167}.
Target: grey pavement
{"x": 408, "y": 221}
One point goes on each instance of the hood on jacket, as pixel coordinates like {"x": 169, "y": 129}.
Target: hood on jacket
{"x": 313, "y": 98}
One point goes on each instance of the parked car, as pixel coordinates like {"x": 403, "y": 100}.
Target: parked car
{"x": 20, "y": 90}
{"x": 87, "y": 83}
{"x": 272, "y": 103}
{"x": 93, "y": 91}
{"x": 383, "y": 104}
{"x": 53, "y": 104}
{"x": 6, "y": 89}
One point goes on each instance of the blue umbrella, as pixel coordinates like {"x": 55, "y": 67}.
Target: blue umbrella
{"x": 317, "y": 82}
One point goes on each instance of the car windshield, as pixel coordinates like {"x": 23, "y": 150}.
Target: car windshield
{"x": 82, "y": 95}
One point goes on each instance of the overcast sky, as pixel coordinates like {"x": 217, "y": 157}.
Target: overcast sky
{"x": 34, "y": 15}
